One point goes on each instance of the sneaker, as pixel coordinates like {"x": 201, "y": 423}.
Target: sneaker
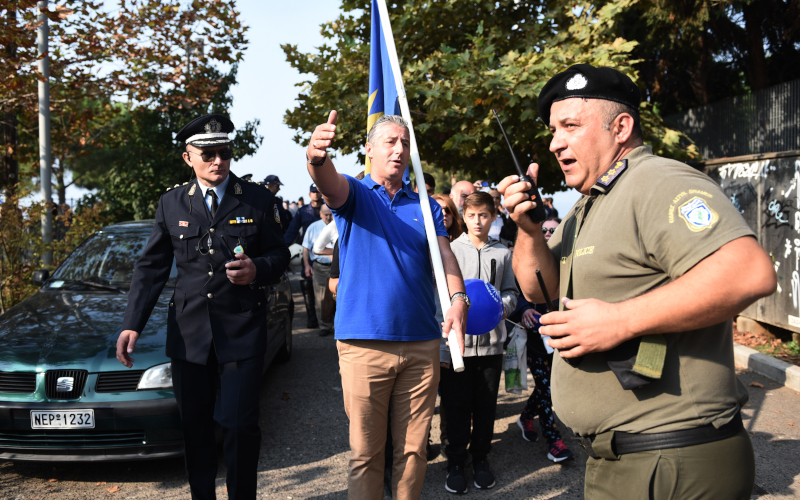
{"x": 558, "y": 451}
{"x": 484, "y": 478}
{"x": 528, "y": 432}
{"x": 456, "y": 481}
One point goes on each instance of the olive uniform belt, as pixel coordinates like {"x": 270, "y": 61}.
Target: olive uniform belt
{"x": 610, "y": 445}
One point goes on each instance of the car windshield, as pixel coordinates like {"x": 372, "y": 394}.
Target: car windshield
{"x": 104, "y": 259}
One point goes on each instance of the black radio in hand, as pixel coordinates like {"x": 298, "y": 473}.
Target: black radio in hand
{"x": 537, "y": 213}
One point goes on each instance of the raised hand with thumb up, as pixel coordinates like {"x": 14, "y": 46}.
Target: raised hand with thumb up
{"x": 321, "y": 140}
{"x": 333, "y": 186}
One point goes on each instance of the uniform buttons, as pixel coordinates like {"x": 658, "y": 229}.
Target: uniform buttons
{"x": 171, "y": 304}
{"x": 181, "y": 236}
{"x": 211, "y": 230}
{"x": 211, "y": 251}
{"x": 210, "y": 295}
{"x": 259, "y": 304}
{"x": 211, "y": 273}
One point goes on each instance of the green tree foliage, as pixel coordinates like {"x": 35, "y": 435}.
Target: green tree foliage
{"x": 460, "y": 59}
{"x": 140, "y": 159}
{"x": 109, "y": 63}
{"x": 21, "y": 246}
{"x": 694, "y": 52}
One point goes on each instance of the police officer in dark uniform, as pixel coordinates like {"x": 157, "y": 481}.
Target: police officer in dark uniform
{"x": 274, "y": 184}
{"x": 305, "y": 216}
{"x": 225, "y": 235}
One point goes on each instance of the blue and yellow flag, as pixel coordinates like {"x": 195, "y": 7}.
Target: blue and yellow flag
{"x": 382, "y": 88}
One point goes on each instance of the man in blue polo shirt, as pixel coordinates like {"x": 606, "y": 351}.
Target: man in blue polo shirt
{"x": 386, "y": 330}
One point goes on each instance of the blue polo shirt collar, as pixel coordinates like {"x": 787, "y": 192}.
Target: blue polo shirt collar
{"x": 406, "y": 189}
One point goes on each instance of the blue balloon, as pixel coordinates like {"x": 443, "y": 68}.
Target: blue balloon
{"x": 486, "y": 308}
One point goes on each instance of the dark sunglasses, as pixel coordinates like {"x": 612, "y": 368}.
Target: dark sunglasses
{"x": 445, "y": 210}
{"x": 208, "y": 156}
{"x": 550, "y": 230}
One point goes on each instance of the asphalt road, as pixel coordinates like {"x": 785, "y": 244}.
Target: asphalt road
{"x": 304, "y": 449}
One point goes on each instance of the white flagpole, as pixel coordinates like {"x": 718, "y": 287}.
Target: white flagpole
{"x": 430, "y": 230}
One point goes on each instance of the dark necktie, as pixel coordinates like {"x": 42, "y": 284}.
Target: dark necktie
{"x": 214, "y": 203}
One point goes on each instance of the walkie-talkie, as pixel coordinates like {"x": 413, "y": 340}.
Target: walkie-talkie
{"x": 537, "y": 213}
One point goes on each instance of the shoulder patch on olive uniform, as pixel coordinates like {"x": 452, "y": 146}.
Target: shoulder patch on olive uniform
{"x": 697, "y": 214}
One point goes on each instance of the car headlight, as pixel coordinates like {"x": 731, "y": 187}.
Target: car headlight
{"x": 157, "y": 377}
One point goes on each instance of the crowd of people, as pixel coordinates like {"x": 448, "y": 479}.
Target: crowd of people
{"x": 637, "y": 345}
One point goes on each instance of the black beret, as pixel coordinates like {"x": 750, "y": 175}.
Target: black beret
{"x": 584, "y": 80}
{"x": 206, "y": 130}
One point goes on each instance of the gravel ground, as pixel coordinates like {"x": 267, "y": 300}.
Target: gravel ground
{"x": 304, "y": 450}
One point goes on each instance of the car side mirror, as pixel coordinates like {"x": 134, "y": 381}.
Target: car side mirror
{"x": 40, "y": 276}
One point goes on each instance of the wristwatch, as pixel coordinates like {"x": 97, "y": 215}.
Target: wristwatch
{"x": 317, "y": 164}
{"x": 460, "y": 295}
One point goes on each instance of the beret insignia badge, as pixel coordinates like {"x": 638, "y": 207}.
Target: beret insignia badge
{"x": 577, "y": 82}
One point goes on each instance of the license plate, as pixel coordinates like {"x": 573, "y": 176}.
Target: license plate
{"x": 69, "y": 419}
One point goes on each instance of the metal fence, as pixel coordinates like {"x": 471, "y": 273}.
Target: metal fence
{"x": 767, "y": 121}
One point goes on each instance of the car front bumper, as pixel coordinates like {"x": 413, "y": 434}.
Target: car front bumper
{"x": 124, "y": 430}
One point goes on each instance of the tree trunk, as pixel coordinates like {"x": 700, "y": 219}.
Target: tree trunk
{"x": 756, "y": 58}
{"x": 699, "y": 81}
{"x": 9, "y": 169}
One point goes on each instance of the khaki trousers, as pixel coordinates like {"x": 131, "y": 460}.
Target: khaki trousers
{"x": 722, "y": 470}
{"x": 376, "y": 373}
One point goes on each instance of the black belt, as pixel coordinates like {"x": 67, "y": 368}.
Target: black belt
{"x": 322, "y": 263}
{"x": 623, "y": 443}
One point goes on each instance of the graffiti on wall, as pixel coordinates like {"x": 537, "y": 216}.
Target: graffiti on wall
{"x": 767, "y": 194}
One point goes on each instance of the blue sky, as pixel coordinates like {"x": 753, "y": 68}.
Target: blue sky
{"x": 266, "y": 90}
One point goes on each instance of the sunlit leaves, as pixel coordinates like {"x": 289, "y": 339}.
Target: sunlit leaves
{"x": 460, "y": 59}
{"x": 131, "y": 51}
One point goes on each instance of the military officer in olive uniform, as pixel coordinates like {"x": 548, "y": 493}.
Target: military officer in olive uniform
{"x": 651, "y": 265}
{"x": 224, "y": 233}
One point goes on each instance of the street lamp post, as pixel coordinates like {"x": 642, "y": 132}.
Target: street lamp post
{"x": 44, "y": 131}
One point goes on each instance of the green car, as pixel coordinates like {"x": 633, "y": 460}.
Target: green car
{"x": 63, "y": 394}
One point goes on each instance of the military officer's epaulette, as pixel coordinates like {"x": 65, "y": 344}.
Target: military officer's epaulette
{"x": 176, "y": 186}
{"x": 251, "y": 181}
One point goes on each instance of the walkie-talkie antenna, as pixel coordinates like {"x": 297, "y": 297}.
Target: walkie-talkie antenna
{"x": 513, "y": 156}
{"x": 537, "y": 213}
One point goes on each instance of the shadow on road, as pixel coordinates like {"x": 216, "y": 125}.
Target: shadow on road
{"x": 772, "y": 417}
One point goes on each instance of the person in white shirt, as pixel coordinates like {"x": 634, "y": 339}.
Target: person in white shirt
{"x": 319, "y": 266}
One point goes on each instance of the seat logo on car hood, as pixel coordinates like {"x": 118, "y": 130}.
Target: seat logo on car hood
{"x": 64, "y": 384}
